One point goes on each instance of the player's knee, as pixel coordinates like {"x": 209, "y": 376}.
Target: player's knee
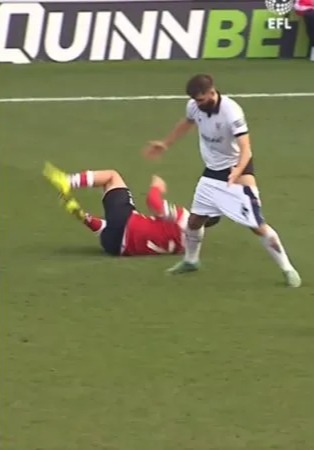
{"x": 211, "y": 221}
{"x": 261, "y": 230}
{"x": 114, "y": 175}
{"x": 196, "y": 222}
{"x": 115, "y": 181}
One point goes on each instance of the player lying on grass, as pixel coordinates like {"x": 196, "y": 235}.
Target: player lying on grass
{"x": 124, "y": 231}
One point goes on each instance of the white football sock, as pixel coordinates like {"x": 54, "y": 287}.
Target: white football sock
{"x": 273, "y": 245}
{"x": 193, "y": 244}
{"x": 81, "y": 179}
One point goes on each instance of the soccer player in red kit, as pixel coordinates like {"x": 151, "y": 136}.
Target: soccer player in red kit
{"x": 124, "y": 231}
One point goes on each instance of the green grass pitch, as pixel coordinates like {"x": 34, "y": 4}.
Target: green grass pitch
{"x": 112, "y": 354}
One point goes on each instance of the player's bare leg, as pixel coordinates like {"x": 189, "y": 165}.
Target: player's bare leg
{"x": 193, "y": 243}
{"x": 272, "y": 243}
{"x": 64, "y": 182}
{"x": 106, "y": 179}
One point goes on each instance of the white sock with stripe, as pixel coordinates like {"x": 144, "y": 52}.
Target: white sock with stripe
{"x": 82, "y": 179}
{"x": 193, "y": 244}
{"x": 273, "y": 245}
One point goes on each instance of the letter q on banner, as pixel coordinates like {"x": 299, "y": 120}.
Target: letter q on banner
{"x": 35, "y": 17}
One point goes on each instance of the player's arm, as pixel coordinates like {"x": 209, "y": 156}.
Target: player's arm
{"x": 156, "y": 202}
{"x": 239, "y": 129}
{"x": 179, "y": 131}
{"x": 243, "y": 141}
{"x": 183, "y": 126}
{"x": 156, "y": 148}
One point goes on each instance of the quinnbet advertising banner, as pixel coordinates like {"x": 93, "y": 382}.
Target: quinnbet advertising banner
{"x": 94, "y": 31}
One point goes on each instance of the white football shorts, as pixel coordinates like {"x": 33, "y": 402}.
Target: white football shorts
{"x": 239, "y": 203}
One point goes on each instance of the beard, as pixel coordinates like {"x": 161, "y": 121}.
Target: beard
{"x": 207, "y": 107}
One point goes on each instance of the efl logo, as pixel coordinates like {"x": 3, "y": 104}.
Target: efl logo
{"x": 280, "y": 8}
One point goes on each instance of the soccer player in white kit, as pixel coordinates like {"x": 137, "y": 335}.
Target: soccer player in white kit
{"x": 227, "y": 186}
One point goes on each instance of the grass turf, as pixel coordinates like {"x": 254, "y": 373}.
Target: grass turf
{"x": 112, "y": 354}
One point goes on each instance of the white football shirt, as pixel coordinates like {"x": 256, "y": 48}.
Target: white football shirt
{"x": 217, "y": 133}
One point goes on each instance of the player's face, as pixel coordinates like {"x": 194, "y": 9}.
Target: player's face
{"x": 206, "y": 101}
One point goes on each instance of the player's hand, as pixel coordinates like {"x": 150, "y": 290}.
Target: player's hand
{"x": 154, "y": 149}
{"x": 233, "y": 176}
{"x": 159, "y": 183}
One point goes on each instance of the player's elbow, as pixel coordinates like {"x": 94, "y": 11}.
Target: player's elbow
{"x": 249, "y": 152}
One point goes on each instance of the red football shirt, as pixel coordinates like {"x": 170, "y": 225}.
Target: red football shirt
{"x": 148, "y": 235}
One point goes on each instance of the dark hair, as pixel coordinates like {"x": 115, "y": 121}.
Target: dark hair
{"x": 199, "y": 84}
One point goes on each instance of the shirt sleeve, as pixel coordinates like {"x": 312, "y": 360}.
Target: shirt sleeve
{"x": 191, "y": 110}
{"x": 237, "y": 120}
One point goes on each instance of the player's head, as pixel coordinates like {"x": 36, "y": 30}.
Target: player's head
{"x": 201, "y": 88}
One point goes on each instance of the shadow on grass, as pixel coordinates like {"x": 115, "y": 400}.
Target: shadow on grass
{"x": 81, "y": 251}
